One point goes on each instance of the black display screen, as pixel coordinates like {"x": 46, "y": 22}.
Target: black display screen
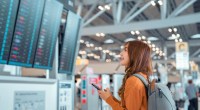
{"x": 48, "y": 35}
{"x": 8, "y": 12}
{"x": 26, "y": 32}
{"x": 70, "y": 43}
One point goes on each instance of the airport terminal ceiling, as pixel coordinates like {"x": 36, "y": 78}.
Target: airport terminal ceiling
{"x": 110, "y": 23}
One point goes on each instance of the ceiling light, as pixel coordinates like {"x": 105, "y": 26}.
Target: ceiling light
{"x": 98, "y": 35}
{"x": 100, "y": 7}
{"x": 104, "y": 51}
{"x": 137, "y": 32}
{"x": 178, "y": 35}
{"x": 160, "y": 2}
{"x": 152, "y": 38}
{"x": 129, "y": 39}
{"x": 157, "y": 52}
{"x": 175, "y": 29}
{"x": 96, "y": 48}
{"x": 132, "y": 32}
{"x": 157, "y": 49}
{"x": 153, "y": 45}
{"x": 163, "y": 54}
{"x": 88, "y": 45}
{"x": 173, "y": 35}
{"x": 108, "y": 41}
{"x": 180, "y": 40}
{"x": 91, "y": 45}
{"x": 122, "y": 47}
{"x": 102, "y": 34}
{"x": 100, "y": 48}
{"x": 148, "y": 42}
{"x": 81, "y": 41}
{"x": 143, "y": 37}
{"x": 139, "y": 38}
{"x": 196, "y": 36}
{"x": 153, "y": 3}
{"x": 107, "y": 7}
{"x": 176, "y": 40}
{"x": 107, "y": 51}
{"x": 154, "y": 49}
{"x": 170, "y": 30}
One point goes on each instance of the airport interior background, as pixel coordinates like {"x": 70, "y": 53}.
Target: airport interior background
{"x": 51, "y": 51}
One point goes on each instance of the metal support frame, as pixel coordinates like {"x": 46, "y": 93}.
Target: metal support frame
{"x": 132, "y": 10}
{"x": 93, "y": 18}
{"x": 195, "y": 53}
{"x": 79, "y": 10}
{"x": 90, "y": 11}
{"x": 164, "y": 9}
{"x": 119, "y": 11}
{"x": 138, "y": 12}
{"x": 182, "y": 7}
{"x": 172, "y": 55}
{"x": 143, "y": 25}
{"x": 114, "y": 11}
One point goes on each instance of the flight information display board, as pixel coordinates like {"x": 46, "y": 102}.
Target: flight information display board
{"x": 8, "y": 12}
{"x": 48, "y": 35}
{"x": 26, "y": 32}
{"x": 69, "y": 46}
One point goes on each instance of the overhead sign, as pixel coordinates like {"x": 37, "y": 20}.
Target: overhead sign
{"x": 182, "y": 56}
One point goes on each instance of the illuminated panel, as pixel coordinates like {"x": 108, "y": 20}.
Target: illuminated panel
{"x": 8, "y": 12}
{"x": 48, "y": 35}
{"x": 26, "y": 32}
{"x": 69, "y": 46}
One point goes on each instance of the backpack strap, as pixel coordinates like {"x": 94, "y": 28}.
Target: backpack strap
{"x": 144, "y": 81}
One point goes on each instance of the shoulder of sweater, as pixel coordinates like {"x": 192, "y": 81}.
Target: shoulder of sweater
{"x": 134, "y": 81}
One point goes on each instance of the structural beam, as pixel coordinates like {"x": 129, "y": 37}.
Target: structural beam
{"x": 132, "y": 10}
{"x": 114, "y": 11}
{"x": 90, "y": 2}
{"x": 93, "y": 18}
{"x": 143, "y": 25}
{"x": 79, "y": 10}
{"x": 138, "y": 12}
{"x": 182, "y": 7}
{"x": 164, "y": 9}
{"x": 195, "y": 53}
{"x": 87, "y": 15}
{"x": 119, "y": 11}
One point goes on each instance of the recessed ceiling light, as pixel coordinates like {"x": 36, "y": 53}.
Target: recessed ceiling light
{"x": 108, "y": 41}
{"x": 129, "y": 39}
{"x": 152, "y": 38}
{"x": 195, "y": 36}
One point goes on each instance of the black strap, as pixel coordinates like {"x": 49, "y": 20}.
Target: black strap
{"x": 144, "y": 81}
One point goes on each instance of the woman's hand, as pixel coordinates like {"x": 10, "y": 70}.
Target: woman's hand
{"x": 104, "y": 94}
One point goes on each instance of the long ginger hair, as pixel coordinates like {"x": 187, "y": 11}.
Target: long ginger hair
{"x": 139, "y": 61}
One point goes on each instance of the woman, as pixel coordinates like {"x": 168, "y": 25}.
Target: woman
{"x": 136, "y": 57}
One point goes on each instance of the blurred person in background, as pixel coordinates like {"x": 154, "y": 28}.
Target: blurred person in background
{"x": 192, "y": 93}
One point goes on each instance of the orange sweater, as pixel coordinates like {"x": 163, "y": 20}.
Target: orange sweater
{"x": 134, "y": 96}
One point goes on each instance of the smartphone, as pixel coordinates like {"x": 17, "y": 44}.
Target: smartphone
{"x": 96, "y": 86}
